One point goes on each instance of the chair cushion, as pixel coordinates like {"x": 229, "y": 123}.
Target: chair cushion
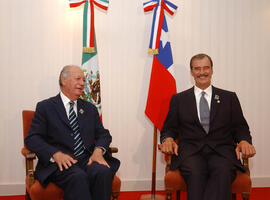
{"x": 37, "y": 192}
{"x": 242, "y": 183}
{"x": 116, "y": 184}
{"x": 174, "y": 181}
{"x": 53, "y": 192}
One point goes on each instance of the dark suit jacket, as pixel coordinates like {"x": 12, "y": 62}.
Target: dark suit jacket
{"x": 227, "y": 124}
{"x": 50, "y": 132}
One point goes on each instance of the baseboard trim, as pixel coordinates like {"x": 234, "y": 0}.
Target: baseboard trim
{"x": 12, "y": 189}
{"x": 127, "y": 185}
{"x": 260, "y": 182}
{"x": 141, "y": 185}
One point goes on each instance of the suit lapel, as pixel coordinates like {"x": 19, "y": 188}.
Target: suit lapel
{"x": 81, "y": 110}
{"x": 59, "y": 106}
{"x": 193, "y": 106}
{"x": 81, "y": 113}
{"x": 215, "y": 101}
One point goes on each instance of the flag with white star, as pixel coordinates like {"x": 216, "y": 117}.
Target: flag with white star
{"x": 162, "y": 83}
{"x": 159, "y": 7}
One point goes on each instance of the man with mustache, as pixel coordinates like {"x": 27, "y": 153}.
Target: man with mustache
{"x": 207, "y": 121}
{"x": 71, "y": 143}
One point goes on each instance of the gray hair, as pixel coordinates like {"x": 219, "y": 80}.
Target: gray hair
{"x": 65, "y": 73}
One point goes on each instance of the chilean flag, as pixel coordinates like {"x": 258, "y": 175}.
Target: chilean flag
{"x": 162, "y": 83}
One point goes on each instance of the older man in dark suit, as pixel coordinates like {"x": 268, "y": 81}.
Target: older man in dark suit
{"x": 207, "y": 121}
{"x": 71, "y": 143}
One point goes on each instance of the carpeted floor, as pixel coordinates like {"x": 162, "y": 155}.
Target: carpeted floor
{"x": 256, "y": 194}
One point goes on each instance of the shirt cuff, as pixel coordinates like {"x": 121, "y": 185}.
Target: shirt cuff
{"x": 165, "y": 139}
{"x": 103, "y": 149}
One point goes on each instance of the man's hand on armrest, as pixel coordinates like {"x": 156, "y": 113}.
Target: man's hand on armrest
{"x": 246, "y": 149}
{"x": 63, "y": 160}
{"x": 169, "y": 146}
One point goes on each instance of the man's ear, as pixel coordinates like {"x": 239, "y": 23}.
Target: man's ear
{"x": 63, "y": 80}
{"x": 191, "y": 72}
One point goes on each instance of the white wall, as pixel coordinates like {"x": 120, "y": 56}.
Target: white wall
{"x": 37, "y": 38}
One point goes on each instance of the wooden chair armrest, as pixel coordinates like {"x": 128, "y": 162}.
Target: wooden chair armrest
{"x": 29, "y": 165}
{"x": 244, "y": 161}
{"x": 246, "y": 165}
{"x": 28, "y": 154}
{"x": 168, "y": 158}
{"x": 112, "y": 150}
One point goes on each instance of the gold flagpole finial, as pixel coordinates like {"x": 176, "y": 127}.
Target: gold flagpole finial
{"x": 89, "y": 50}
{"x": 153, "y": 51}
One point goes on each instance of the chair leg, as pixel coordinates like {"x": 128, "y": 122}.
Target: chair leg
{"x": 245, "y": 195}
{"x": 178, "y": 192}
{"x": 115, "y": 195}
{"x": 168, "y": 194}
{"x": 233, "y": 196}
{"x": 27, "y": 196}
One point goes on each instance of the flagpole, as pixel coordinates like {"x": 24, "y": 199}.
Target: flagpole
{"x": 159, "y": 72}
{"x": 153, "y": 194}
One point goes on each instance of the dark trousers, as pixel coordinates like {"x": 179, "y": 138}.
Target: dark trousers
{"x": 208, "y": 175}
{"x": 85, "y": 182}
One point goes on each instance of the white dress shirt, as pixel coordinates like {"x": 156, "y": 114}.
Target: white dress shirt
{"x": 198, "y": 94}
{"x": 66, "y": 101}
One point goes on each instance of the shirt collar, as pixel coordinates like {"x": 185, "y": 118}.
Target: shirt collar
{"x": 66, "y": 100}
{"x": 198, "y": 91}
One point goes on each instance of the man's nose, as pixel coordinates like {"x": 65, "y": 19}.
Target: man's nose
{"x": 201, "y": 71}
{"x": 82, "y": 82}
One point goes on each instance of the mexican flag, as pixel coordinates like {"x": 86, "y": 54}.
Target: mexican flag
{"x": 90, "y": 69}
{"x": 89, "y": 57}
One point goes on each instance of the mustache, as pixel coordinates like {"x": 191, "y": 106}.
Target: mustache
{"x": 202, "y": 75}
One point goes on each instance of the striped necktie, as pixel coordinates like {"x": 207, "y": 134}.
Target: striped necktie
{"x": 73, "y": 121}
{"x": 204, "y": 112}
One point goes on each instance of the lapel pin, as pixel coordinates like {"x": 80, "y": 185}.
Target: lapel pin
{"x": 217, "y": 98}
{"x": 81, "y": 111}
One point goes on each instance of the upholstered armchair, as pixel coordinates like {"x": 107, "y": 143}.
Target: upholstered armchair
{"x": 34, "y": 190}
{"x": 174, "y": 182}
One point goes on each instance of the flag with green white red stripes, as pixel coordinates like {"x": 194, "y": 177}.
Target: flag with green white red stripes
{"x": 89, "y": 56}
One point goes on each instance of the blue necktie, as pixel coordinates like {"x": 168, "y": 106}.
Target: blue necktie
{"x": 204, "y": 112}
{"x": 73, "y": 121}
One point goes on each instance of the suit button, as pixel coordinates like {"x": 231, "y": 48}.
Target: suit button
{"x": 71, "y": 134}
